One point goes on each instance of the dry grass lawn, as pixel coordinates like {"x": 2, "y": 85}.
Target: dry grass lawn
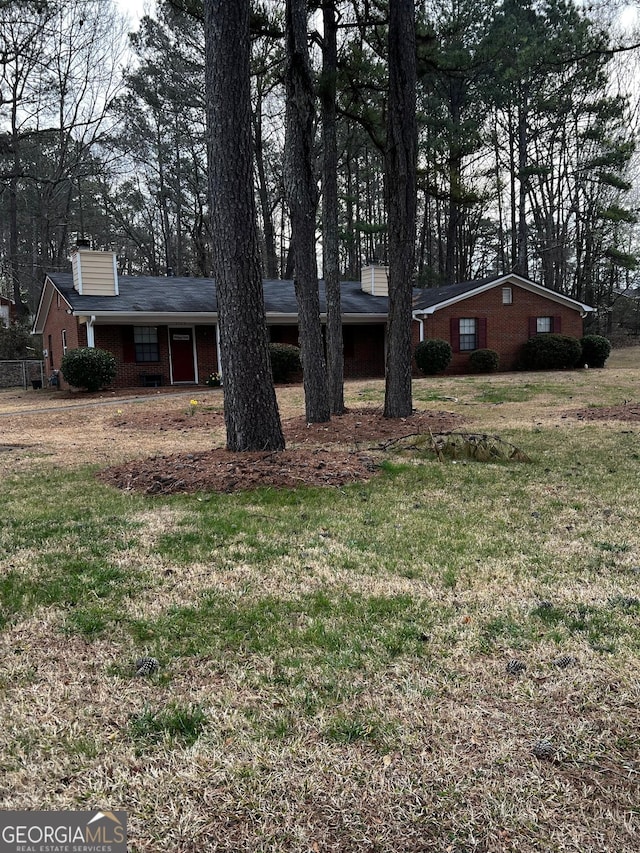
{"x": 333, "y": 663}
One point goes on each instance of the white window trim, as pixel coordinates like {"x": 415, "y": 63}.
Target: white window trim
{"x": 468, "y": 334}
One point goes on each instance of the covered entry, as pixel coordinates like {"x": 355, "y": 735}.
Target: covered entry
{"x": 182, "y": 355}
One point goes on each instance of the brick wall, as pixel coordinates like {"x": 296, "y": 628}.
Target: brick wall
{"x": 207, "y": 352}
{"x": 364, "y": 350}
{"x": 507, "y": 325}
{"x": 116, "y": 339}
{"x": 363, "y": 346}
{"x": 52, "y": 339}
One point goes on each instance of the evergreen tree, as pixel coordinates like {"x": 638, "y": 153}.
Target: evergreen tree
{"x": 330, "y": 252}
{"x": 400, "y": 176}
{"x": 301, "y": 190}
{"x": 250, "y": 406}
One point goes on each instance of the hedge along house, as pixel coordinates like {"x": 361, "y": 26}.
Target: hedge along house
{"x": 164, "y": 330}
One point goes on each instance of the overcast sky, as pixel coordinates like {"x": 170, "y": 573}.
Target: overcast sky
{"x": 135, "y": 9}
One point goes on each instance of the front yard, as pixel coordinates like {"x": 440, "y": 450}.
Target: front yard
{"x": 441, "y": 655}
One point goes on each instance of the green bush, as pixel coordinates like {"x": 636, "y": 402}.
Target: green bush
{"x": 484, "y": 361}
{"x": 595, "y": 350}
{"x": 88, "y": 367}
{"x": 433, "y": 356}
{"x": 550, "y": 352}
{"x": 285, "y": 361}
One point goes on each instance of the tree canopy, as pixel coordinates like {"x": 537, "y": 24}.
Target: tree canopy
{"x": 526, "y": 141}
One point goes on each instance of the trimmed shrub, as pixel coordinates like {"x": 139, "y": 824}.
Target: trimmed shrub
{"x": 433, "y": 356}
{"x": 285, "y": 361}
{"x": 484, "y": 361}
{"x": 88, "y": 367}
{"x": 595, "y": 350}
{"x": 550, "y": 352}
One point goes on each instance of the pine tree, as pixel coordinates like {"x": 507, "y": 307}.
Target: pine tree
{"x": 301, "y": 190}
{"x": 250, "y": 406}
{"x": 400, "y": 177}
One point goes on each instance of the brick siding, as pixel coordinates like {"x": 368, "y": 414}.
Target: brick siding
{"x": 507, "y": 325}
{"x": 57, "y": 321}
{"x": 364, "y": 345}
{"x": 114, "y": 339}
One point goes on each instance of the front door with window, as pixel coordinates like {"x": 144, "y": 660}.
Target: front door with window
{"x": 183, "y": 367}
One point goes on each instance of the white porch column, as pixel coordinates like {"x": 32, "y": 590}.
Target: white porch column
{"x": 91, "y": 337}
{"x": 218, "y": 349}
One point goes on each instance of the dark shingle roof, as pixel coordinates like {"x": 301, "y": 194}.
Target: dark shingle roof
{"x": 144, "y": 293}
{"x": 180, "y": 295}
{"x": 161, "y": 294}
{"x": 434, "y": 295}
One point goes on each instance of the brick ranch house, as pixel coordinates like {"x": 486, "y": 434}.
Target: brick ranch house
{"x": 164, "y": 330}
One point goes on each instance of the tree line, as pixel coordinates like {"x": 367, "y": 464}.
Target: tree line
{"x": 512, "y": 149}
{"x": 526, "y": 139}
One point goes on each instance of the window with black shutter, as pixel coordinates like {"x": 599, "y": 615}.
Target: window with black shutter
{"x": 140, "y": 344}
{"x": 468, "y": 333}
{"x": 544, "y": 325}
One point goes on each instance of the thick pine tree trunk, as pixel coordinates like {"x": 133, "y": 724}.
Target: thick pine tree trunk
{"x": 250, "y": 406}
{"x": 301, "y": 190}
{"x": 335, "y": 355}
{"x": 400, "y": 179}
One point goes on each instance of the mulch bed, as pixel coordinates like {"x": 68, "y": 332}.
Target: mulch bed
{"x": 224, "y": 471}
{"x": 309, "y": 462}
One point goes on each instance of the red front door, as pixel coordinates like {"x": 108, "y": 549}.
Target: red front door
{"x": 182, "y": 363}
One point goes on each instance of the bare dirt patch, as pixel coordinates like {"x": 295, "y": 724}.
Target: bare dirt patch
{"x": 626, "y": 412}
{"x": 308, "y": 462}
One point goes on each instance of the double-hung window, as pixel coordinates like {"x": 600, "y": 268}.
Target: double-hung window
{"x": 468, "y": 334}
{"x": 145, "y": 339}
{"x": 544, "y": 325}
